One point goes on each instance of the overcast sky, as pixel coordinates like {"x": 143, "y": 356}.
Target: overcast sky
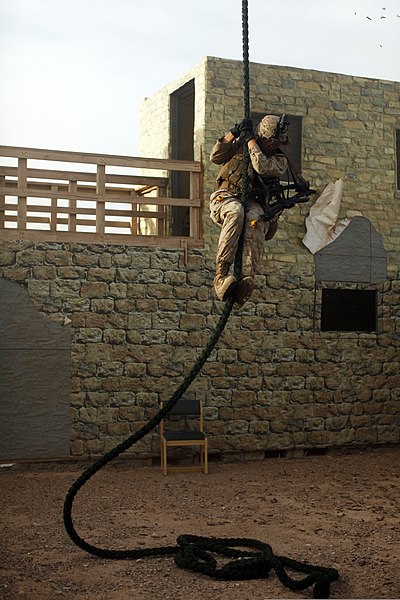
{"x": 73, "y": 72}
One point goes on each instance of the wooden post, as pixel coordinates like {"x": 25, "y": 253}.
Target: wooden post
{"x": 2, "y": 201}
{"x": 184, "y": 246}
{"x": 134, "y": 220}
{"x": 161, "y": 229}
{"x": 53, "y": 214}
{"x": 72, "y": 187}
{"x": 22, "y": 185}
{"x": 100, "y": 204}
{"x": 195, "y": 217}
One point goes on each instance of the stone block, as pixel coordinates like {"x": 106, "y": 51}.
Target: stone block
{"x": 105, "y": 260}
{"x": 39, "y": 289}
{"x": 122, "y": 306}
{"x": 259, "y": 427}
{"x": 94, "y": 289}
{"x": 106, "y": 414}
{"x": 126, "y": 275}
{"x": 98, "y": 274}
{"x": 7, "y": 257}
{"x": 58, "y": 257}
{"x": 131, "y": 413}
{"x": 77, "y": 448}
{"x": 236, "y": 428}
{"x": 175, "y": 277}
{"x": 118, "y": 429}
{"x": 15, "y": 273}
{"x": 366, "y": 435}
{"x": 88, "y": 415}
{"x": 114, "y": 336}
{"x": 88, "y": 334}
{"x": 105, "y": 305}
{"x": 159, "y": 291}
{"x": 192, "y": 322}
{"x": 243, "y": 398}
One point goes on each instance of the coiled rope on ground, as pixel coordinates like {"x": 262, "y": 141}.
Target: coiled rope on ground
{"x": 195, "y": 552}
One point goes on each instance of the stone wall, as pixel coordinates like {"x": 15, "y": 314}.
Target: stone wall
{"x": 140, "y": 318}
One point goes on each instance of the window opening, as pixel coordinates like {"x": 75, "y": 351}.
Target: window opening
{"x": 182, "y": 148}
{"x": 349, "y": 310}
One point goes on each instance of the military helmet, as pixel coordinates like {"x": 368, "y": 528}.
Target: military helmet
{"x": 267, "y": 126}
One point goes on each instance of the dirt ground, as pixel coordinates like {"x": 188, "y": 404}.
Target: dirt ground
{"x": 340, "y": 511}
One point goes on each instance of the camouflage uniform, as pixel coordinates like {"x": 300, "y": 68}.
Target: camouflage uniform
{"x": 226, "y": 209}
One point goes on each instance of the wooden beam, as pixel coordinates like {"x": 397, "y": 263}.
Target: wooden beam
{"x": 35, "y": 193}
{"x": 83, "y": 176}
{"x": 173, "y": 242}
{"x": 101, "y": 159}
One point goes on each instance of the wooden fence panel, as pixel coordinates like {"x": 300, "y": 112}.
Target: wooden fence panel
{"x": 101, "y": 204}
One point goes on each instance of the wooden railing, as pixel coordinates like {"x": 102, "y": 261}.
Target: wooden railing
{"x": 99, "y": 202}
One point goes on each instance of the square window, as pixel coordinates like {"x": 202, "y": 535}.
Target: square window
{"x": 349, "y": 310}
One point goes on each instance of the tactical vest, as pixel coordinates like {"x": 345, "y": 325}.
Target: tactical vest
{"x": 231, "y": 173}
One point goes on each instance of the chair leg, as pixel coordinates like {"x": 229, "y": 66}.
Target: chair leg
{"x": 205, "y": 451}
{"x": 164, "y": 457}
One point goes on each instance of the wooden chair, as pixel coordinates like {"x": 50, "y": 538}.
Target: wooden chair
{"x": 190, "y": 412}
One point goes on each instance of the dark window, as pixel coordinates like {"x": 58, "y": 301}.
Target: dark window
{"x": 182, "y": 147}
{"x": 398, "y": 157}
{"x": 348, "y": 310}
{"x": 293, "y": 149}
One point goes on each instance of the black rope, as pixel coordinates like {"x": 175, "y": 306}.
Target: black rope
{"x": 246, "y": 156}
{"x": 195, "y": 552}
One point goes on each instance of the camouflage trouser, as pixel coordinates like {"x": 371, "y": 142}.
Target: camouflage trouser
{"x": 227, "y": 212}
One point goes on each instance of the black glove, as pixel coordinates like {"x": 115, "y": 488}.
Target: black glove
{"x": 246, "y": 125}
{"x": 246, "y": 136}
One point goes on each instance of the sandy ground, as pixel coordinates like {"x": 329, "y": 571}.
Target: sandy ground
{"x": 335, "y": 510}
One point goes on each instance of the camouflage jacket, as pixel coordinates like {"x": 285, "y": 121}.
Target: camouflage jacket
{"x": 230, "y": 156}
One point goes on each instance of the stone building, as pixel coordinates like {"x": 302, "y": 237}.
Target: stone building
{"x": 313, "y": 360}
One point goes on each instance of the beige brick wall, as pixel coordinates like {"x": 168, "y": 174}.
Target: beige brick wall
{"x": 140, "y": 318}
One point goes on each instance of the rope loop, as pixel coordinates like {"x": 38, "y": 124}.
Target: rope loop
{"x": 195, "y": 553}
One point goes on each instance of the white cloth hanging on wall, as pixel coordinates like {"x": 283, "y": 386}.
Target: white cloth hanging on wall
{"x": 322, "y": 223}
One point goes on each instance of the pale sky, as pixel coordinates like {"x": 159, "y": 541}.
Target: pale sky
{"x": 73, "y": 72}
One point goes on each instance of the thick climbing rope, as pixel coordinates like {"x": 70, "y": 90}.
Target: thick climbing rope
{"x": 196, "y": 553}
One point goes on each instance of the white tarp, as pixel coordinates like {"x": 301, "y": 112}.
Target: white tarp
{"x": 322, "y": 223}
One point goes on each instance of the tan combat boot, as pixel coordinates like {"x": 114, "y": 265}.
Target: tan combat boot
{"x": 243, "y": 291}
{"x": 224, "y": 284}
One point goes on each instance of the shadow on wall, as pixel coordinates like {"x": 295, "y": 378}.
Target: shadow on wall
{"x": 35, "y": 379}
{"x": 357, "y": 255}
